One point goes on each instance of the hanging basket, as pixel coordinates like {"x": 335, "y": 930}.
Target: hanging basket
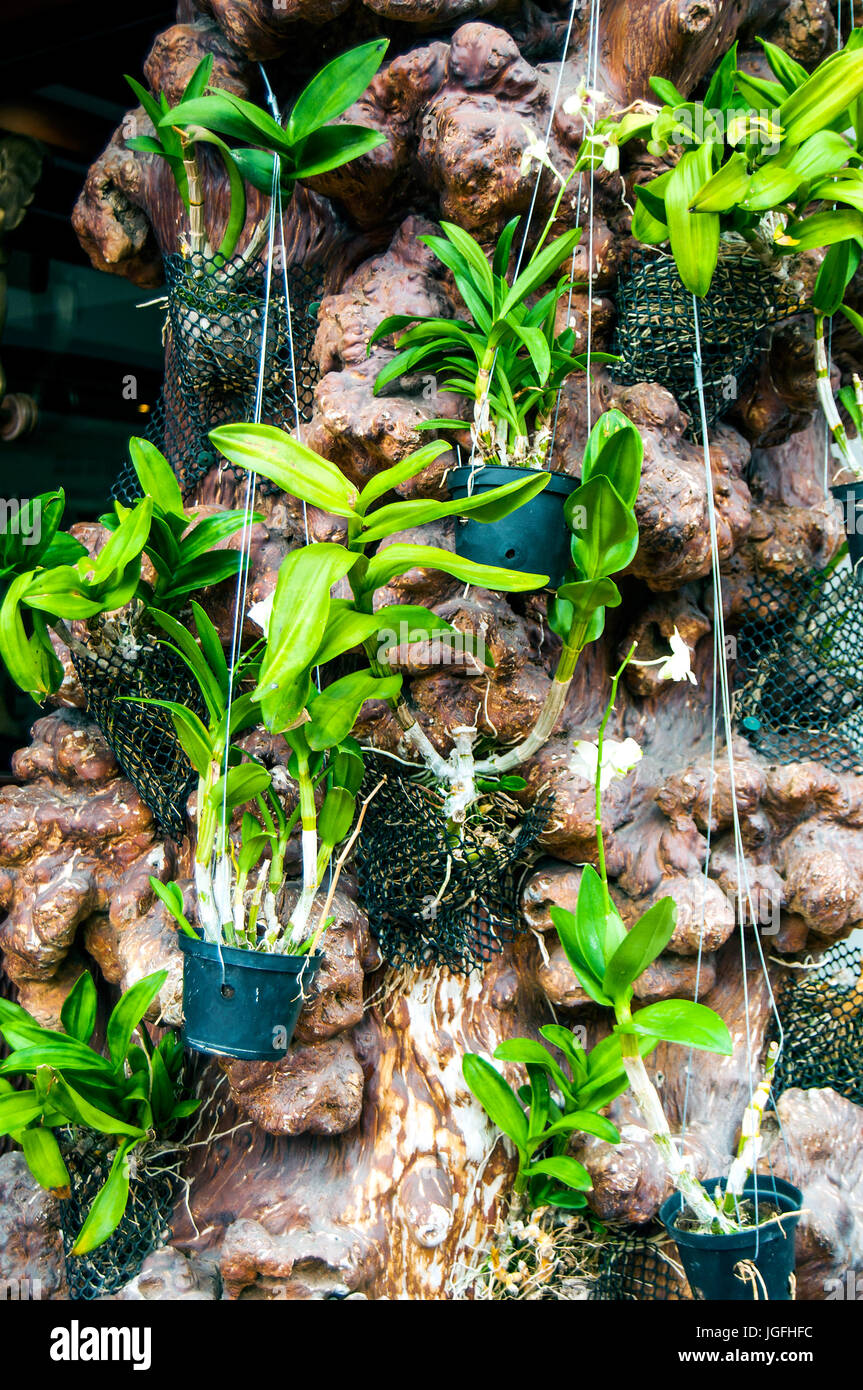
{"x": 746, "y": 1266}
{"x": 534, "y": 538}
{"x": 142, "y": 737}
{"x": 143, "y": 1228}
{"x": 799, "y": 678}
{"x": 432, "y": 896}
{"x": 241, "y": 1003}
{"x": 821, "y": 1012}
{"x": 215, "y": 334}
{"x": 655, "y": 334}
{"x": 639, "y": 1268}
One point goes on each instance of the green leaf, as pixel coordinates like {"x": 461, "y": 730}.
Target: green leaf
{"x": 172, "y": 897}
{"x": 527, "y": 1051}
{"x": 823, "y": 153}
{"x": 647, "y": 939}
{"x": 336, "y": 87}
{"x": 487, "y": 506}
{"x": 582, "y": 946}
{"x": 694, "y": 237}
{"x": 346, "y": 628}
{"x": 567, "y": 1201}
{"x": 390, "y": 478}
{"x": 856, "y": 320}
{"x": 825, "y": 95}
{"x": 680, "y": 1021}
{"x": 156, "y": 477}
{"x": 18, "y": 1109}
{"x": 721, "y": 89}
{"x": 333, "y": 147}
{"x": 667, "y": 92}
{"x": 398, "y": 559}
{"x": 78, "y": 1014}
{"x": 108, "y": 1206}
{"x": 566, "y": 1170}
{"x": 787, "y": 71}
{"x": 231, "y": 115}
{"x": 539, "y": 269}
{"x": 823, "y": 229}
{"x": 335, "y": 711}
{"x": 209, "y": 682}
{"x": 45, "y": 1160}
{"x": 562, "y": 1038}
{"x": 497, "y": 1099}
{"x": 274, "y": 454}
{"x": 834, "y": 275}
{"x": 128, "y": 1013}
{"x": 726, "y": 188}
{"x": 609, "y": 540}
{"x": 770, "y": 187}
{"x": 122, "y": 548}
{"x": 72, "y": 1103}
{"x": 585, "y": 1122}
{"x": 615, "y": 451}
{"x": 238, "y": 785}
{"x": 336, "y": 816}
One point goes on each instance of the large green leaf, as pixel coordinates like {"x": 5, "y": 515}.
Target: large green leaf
{"x": 78, "y": 1014}
{"x": 539, "y": 268}
{"x": 334, "y": 712}
{"x": 497, "y": 1099}
{"x": 331, "y": 148}
{"x": 157, "y": 477}
{"x": 604, "y": 530}
{"x": 615, "y": 451}
{"x": 566, "y": 1170}
{"x": 336, "y": 87}
{"x": 336, "y": 815}
{"x": 724, "y": 189}
{"x": 825, "y": 95}
{"x": 398, "y": 559}
{"x": 526, "y": 1050}
{"x": 45, "y": 1160}
{"x": 81, "y": 1111}
{"x": 108, "y": 1206}
{"x": 231, "y": 115}
{"x": 822, "y": 229}
{"x": 240, "y": 784}
{"x": 585, "y": 1122}
{"x": 485, "y": 506}
{"x": 18, "y": 1109}
{"x": 680, "y": 1021}
{"x": 128, "y": 1013}
{"x": 647, "y": 939}
{"x": 346, "y": 628}
{"x": 390, "y": 478}
{"x": 583, "y": 949}
{"x": 294, "y": 468}
{"x": 834, "y": 275}
{"x": 694, "y": 236}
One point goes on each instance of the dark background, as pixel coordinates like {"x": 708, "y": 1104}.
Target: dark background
{"x": 72, "y": 333}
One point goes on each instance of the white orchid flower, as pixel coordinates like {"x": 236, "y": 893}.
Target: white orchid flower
{"x": 618, "y": 759}
{"x": 535, "y": 152}
{"x": 584, "y": 100}
{"x": 261, "y": 613}
{"x": 677, "y": 665}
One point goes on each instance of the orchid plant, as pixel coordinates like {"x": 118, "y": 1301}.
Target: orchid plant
{"x": 607, "y": 959}
{"x": 768, "y": 167}
{"x": 268, "y": 153}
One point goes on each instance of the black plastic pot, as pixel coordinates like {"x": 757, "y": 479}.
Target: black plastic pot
{"x": 851, "y": 497}
{"x": 533, "y": 538}
{"x": 714, "y": 1264}
{"x": 242, "y": 1003}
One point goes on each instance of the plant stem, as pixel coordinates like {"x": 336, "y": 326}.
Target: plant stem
{"x": 853, "y": 464}
{"x": 197, "y": 228}
{"x": 552, "y": 708}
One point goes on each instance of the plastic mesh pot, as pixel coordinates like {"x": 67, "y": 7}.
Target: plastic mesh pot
{"x": 143, "y": 1228}
{"x": 655, "y": 334}
{"x": 142, "y": 737}
{"x": 215, "y": 333}
{"x": 637, "y": 1269}
{"x": 822, "y": 1021}
{"x": 799, "y": 675}
{"x": 426, "y": 902}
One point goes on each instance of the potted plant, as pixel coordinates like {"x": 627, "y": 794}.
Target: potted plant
{"x": 768, "y": 169}
{"x": 54, "y": 582}
{"x": 259, "y": 935}
{"x": 88, "y": 1122}
{"x": 735, "y": 1235}
{"x": 509, "y": 360}
{"x": 222, "y": 305}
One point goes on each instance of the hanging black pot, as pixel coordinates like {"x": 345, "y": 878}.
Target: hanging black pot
{"x": 240, "y": 1003}
{"x": 534, "y": 538}
{"x": 851, "y": 497}
{"x": 745, "y": 1266}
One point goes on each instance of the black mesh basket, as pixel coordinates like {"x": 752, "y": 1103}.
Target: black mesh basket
{"x": 142, "y": 737}
{"x": 215, "y": 334}
{"x": 636, "y": 1269}
{"x": 655, "y": 333}
{"x": 144, "y": 1226}
{"x": 799, "y": 676}
{"x": 821, "y": 1010}
{"x": 431, "y": 898}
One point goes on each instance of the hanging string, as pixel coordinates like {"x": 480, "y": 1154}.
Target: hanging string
{"x": 474, "y": 466}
